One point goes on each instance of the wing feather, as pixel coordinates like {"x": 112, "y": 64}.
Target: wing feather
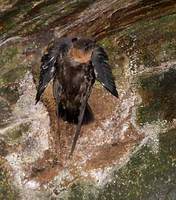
{"x": 47, "y": 72}
{"x": 49, "y": 63}
{"x": 103, "y": 71}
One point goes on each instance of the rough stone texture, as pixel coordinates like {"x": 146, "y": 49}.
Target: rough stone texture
{"x": 128, "y": 151}
{"x": 6, "y": 190}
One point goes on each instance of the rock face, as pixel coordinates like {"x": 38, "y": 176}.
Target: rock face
{"x": 128, "y": 151}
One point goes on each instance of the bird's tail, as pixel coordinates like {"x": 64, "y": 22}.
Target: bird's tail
{"x": 72, "y": 115}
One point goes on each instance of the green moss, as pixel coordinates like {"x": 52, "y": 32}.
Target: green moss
{"x": 82, "y": 191}
{"x": 169, "y": 48}
{"x": 7, "y": 55}
{"x": 14, "y": 17}
{"x": 159, "y": 97}
{"x": 10, "y": 93}
{"x": 13, "y": 75}
{"x": 41, "y": 16}
{"x": 164, "y": 23}
{"x": 106, "y": 43}
{"x": 3, "y": 148}
{"x": 7, "y": 191}
{"x": 5, "y": 112}
{"x": 148, "y": 58}
{"x": 148, "y": 42}
{"x": 14, "y": 135}
{"x": 147, "y": 174}
{"x": 148, "y": 113}
{"x": 12, "y": 68}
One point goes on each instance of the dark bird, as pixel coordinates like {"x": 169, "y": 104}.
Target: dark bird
{"x": 74, "y": 64}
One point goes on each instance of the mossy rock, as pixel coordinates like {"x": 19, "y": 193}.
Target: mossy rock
{"x": 159, "y": 97}
{"x": 5, "y": 113}
{"x": 146, "y": 176}
{"x": 14, "y": 135}
{"x": 10, "y": 93}
{"x": 7, "y": 190}
{"x": 12, "y": 64}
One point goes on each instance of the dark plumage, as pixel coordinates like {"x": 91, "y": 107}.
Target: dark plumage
{"x": 74, "y": 64}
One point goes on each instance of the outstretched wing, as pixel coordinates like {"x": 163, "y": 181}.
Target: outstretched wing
{"x": 48, "y": 66}
{"x": 102, "y": 70}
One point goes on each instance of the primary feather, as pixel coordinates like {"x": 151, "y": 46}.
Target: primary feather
{"x": 47, "y": 72}
{"x": 103, "y": 71}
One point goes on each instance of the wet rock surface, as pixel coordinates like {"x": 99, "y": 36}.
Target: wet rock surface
{"x": 128, "y": 151}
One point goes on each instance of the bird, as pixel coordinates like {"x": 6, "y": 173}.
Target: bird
{"x": 74, "y": 63}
